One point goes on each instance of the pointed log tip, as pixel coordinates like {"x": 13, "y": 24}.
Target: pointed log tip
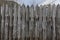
{"x": 27, "y": 6}
{"x": 23, "y": 5}
{"x": 37, "y": 5}
{"x": 58, "y": 5}
{"x": 32, "y": 5}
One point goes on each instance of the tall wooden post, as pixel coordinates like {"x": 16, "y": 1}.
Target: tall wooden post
{"x": 40, "y": 23}
{"x": 6, "y": 23}
{"x": 23, "y": 21}
{"x": 15, "y": 22}
{"x": 19, "y": 23}
{"x": 44, "y": 22}
{"x": 27, "y": 23}
{"x": 57, "y": 21}
{"x": 31, "y": 22}
{"x": 36, "y": 22}
{"x": 11, "y": 21}
{"x": 54, "y": 16}
{"x": 2, "y": 22}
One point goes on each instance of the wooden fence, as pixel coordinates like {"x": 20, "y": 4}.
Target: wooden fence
{"x": 29, "y": 23}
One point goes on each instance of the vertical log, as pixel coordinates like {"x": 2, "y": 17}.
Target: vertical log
{"x": 36, "y": 23}
{"x": 44, "y": 22}
{"x": 40, "y": 23}
{"x": 49, "y": 22}
{"x": 3, "y": 21}
{"x": 0, "y": 22}
{"x": 15, "y": 22}
{"x": 11, "y": 21}
{"x": 53, "y": 16}
{"x": 31, "y": 22}
{"x": 27, "y": 23}
{"x": 23, "y": 21}
{"x": 58, "y": 22}
{"x": 6, "y": 23}
{"x": 19, "y": 23}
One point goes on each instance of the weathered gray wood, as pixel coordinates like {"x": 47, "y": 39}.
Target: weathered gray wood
{"x": 44, "y": 22}
{"x": 49, "y": 22}
{"x": 57, "y": 21}
{"x": 15, "y": 22}
{"x": 53, "y": 17}
{"x": 31, "y": 22}
{"x": 0, "y": 22}
{"x": 36, "y": 23}
{"x": 6, "y": 23}
{"x": 19, "y": 23}
{"x": 40, "y": 23}
{"x": 23, "y": 21}
{"x": 27, "y": 23}
{"x": 11, "y": 21}
{"x": 3, "y": 21}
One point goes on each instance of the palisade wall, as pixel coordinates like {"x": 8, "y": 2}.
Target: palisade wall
{"x": 29, "y": 23}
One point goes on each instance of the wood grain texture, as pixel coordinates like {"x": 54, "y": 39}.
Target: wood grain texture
{"x": 27, "y": 23}
{"x": 37, "y": 22}
{"x": 19, "y": 22}
{"x": 15, "y": 22}
{"x": 31, "y": 22}
{"x": 54, "y": 15}
{"x": 6, "y": 22}
{"x": 40, "y": 22}
{"x": 57, "y": 21}
{"x": 2, "y": 22}
{"x": 23, "y": 21}
{"x": 44, "y": 22}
